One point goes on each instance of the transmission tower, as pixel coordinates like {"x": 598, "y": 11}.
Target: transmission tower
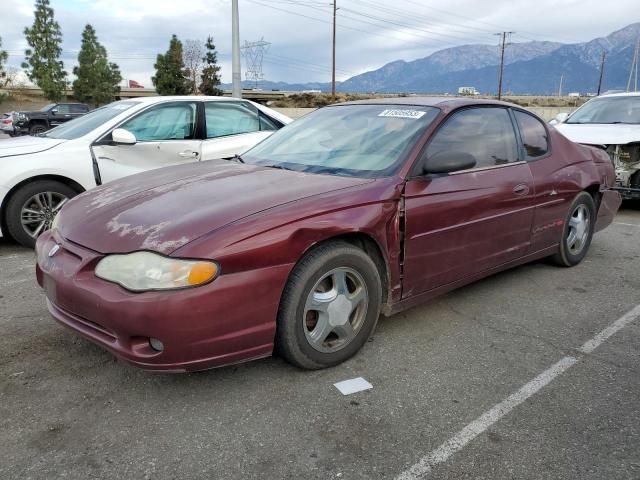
{"x": 253, "y": 53}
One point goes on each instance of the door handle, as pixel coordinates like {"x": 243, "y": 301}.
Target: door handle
{"x": 521, "y": 189}
{"x": 188, "y": 154}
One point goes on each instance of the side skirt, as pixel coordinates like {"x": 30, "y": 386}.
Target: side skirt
{"x": 394, "y": 308}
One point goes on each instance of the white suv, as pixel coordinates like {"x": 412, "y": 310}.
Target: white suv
{"x": 39, "y": 174}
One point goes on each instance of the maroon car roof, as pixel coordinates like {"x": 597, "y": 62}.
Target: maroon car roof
{"x": 445, "y": 103}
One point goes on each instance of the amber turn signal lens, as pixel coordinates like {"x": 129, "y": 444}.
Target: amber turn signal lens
{"x": 201, "y": 273}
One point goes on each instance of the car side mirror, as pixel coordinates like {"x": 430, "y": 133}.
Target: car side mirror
{"x": 120, "y": 136}
{"x": 560, "y": 118}
{"x": 447, "y": 162}
{"x": 54, "y": 111}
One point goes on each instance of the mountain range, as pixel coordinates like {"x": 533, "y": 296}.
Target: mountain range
{"x": 530, "y": 68}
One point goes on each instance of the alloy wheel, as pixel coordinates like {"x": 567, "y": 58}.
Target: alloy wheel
{"x": 335, "y": 310}
{"x": 579, "y": 229}
{"x": 38, "y": 212}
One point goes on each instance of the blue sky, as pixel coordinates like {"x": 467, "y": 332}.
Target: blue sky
{"x": 370, "y": 34}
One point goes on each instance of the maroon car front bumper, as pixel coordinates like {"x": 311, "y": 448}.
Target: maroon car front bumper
{"x": 227, "y": 321}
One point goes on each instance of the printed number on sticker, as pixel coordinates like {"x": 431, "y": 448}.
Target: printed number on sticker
{"x": 402, "y": 113}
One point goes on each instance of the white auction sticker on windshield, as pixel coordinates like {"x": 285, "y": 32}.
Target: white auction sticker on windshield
{"x": 402, "y": 113}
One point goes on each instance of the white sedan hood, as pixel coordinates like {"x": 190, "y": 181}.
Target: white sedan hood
{"x": 600, "y": 134}
{"x": 27, "y": 144}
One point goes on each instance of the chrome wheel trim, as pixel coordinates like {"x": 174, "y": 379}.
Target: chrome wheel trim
{"x": 38, "y": 212}
{"x": 579, "y": 229}
{"x": 335, "y": 310}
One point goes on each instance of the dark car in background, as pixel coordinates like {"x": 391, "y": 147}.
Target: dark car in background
{"x": 52, "y": 115}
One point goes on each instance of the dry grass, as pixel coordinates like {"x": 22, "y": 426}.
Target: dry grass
{"x": 316, "y": 100}
{"x": 20, "y": 102}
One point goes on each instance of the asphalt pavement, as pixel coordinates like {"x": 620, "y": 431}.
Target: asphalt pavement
{"x": 447, "y": 381}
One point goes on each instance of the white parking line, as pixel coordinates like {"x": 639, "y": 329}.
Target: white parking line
{"x": 482, "y": 423}
{"x": 627, "y": 224}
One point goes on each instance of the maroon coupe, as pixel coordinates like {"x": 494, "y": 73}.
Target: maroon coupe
{"x": 354, "y": 210}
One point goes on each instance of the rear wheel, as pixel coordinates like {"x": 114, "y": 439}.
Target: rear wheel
{"x": 577, "y": 232}
{"x": 330, "y": 306}
{"x": 32, "y": 208}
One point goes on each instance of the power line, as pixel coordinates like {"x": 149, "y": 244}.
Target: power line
{"x": 419, "y": 31}
{"x": 413, "y": 16}
{"x": 342, "y": 26}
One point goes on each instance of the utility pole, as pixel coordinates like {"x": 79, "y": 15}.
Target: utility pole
{"x": 635, "y": 89}
{"x": 333, "y": 65}
{"x": 634, "y": 65}
{"x": 560, "y": 87}
{"x": 503, "y": 44}
{"x": 236, "y": 74}
{"x": 604, "y": 55}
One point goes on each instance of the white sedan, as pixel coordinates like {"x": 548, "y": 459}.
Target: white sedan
{"x": 39, "y": 174}
{"x": 613, "y": 122}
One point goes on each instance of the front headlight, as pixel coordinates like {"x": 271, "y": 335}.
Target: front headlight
{"x": 142, "y": 271}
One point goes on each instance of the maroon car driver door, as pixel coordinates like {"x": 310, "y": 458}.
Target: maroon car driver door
{"x": 466, "y": 222}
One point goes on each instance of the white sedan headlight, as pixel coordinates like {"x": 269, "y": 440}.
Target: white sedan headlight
{"x": 142, "y": 271}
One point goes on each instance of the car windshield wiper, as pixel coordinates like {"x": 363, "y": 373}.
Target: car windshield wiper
{"x": 279, "y": 167}
{"x": 237, "y": 158}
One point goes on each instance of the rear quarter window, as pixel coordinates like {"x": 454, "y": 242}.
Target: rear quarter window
{"x": 535, "y": 137}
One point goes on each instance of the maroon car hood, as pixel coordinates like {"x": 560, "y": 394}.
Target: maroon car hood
{"x": 167, "y": 208}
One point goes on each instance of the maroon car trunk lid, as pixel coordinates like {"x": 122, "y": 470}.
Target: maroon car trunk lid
{"x": 167, "y": 208}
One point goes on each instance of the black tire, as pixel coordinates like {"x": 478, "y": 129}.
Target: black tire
{"x": 37, "y": 129}
{"x": 18, "y": 199}
{"x": 291, "y": 339}
{"x": 566, "y": 257}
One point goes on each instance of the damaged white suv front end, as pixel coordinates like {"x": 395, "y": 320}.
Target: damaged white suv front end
{"x": 612, "y": 122}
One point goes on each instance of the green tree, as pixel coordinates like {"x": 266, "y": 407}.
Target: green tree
{"x": 97, "y": 80}
{"x": 43, "y": 64}
{"x": 3, "y": 74}
{"x": 171, "y": 77}
{"x": 210, "y": 77}
{"x": 3, "y": 58}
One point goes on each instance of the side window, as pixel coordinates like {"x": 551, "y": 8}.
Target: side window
{"x": 535, "y": 138}
{"x": 79, "y": 109}
{"x": 63, "y": 109}
{"x": 268, "y": 124}
{"x": 226, "y": 118}
{"x": 173, "y": 121}
{"x": 485, "y": 133}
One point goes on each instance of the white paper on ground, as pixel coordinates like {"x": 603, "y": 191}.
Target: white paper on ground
{"x": 347, "y": 387}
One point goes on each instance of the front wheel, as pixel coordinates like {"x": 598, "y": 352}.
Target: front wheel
{"x": 32, "y": 208}
{"x": 330, "y": 306}
{"x": 577, "y": 232}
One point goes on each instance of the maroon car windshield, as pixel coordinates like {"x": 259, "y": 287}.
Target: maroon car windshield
{"x": 362, "y": 140}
